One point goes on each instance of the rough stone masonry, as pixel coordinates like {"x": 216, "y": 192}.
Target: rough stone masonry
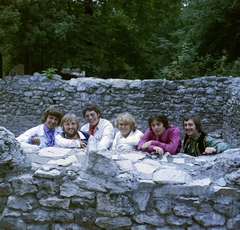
{"x": 81, "y": 189}
{"x": 216, "y": 99}
{"x": 75, "y": 189}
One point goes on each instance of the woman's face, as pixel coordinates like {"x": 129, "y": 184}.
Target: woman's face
{"x": 124, "y": 128}
{"x": 157, "y": 127}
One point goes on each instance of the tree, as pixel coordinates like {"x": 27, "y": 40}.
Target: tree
{"x": 128, "y": 39}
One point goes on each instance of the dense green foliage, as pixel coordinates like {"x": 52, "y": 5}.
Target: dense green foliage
{"x": 123, "y": 38}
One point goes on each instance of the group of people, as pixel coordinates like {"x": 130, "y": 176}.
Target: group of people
{"x": 159, "y": 138}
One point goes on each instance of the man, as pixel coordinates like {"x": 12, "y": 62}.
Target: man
{"x": 100, "y": 128}
{"x": 196, "y": 142}
{"x": 71, "y": 137}
{"x": 43, "y": 135}
{"x": 160, "y": 137}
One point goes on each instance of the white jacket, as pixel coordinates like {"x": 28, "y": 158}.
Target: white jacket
{"x": 69, "y": 143}
{"x": 104, "y": 133}
{"x": 130, "y": 143}
{"x": 38, "y": 130}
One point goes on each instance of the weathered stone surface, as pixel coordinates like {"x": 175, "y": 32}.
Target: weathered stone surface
{"x": 23, "y": 184}
{"x": 113, "y": 223}
{"x": 55, "y": 202}
{"x": 82, "y": 189}
{"x": 70, "y": 189}
{"x": 210, "y": 219}
{"x": 171, "y": 176}
{"x": 206, "y": 95}
{"x": 234, "y": 223}
{"x": 25, "y": 203}
{"x": 114, "y": 204}
{"x": 11, "y": 156}
{"x": 154, "y": 220}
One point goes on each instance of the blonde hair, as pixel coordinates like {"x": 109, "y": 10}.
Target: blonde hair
{"x": 70, "y": 117}
{"x": 126, "y": 118}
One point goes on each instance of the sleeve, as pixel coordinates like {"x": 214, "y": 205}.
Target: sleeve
{"x": 107, "y": 136}
{"x": 85, "y": 128}
{"x": 115, "y": 141}
{"x": 145, "y": 138}
{"x": 134, "y": 139}
{"x": 173, "y": 142}
{"x": 27, "y": 136}
{"x": 66, "y": 143}
{"x": 216, "y": 143}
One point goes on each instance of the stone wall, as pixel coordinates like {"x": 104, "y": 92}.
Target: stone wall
{"x": 24, "y": 98}
{"x": 85, "y": 189}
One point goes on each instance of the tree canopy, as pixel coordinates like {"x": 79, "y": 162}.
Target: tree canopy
{"x": 122, "y": 38}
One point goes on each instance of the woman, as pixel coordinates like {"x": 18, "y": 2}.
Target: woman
{"x": 160, "y": 137}
{"x": 128, "y": 136}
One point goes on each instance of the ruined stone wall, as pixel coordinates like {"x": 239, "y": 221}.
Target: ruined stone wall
{"x": 85, "y": 189}
{"x": 24, "y": 98}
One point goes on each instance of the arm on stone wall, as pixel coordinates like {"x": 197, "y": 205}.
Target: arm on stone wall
{"x": 27, "y": 136}
{"x": 107, "y": 135}
{"x": 219, "y": 145}
{"x": 172, "y": 142}
{"x": 66, "y": 143}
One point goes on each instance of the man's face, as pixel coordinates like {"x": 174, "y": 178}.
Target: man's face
{"x": 51, "y": 121}
{"x": 70, "y": 128}
{"x": 92, "y": 117}
{"x": 190, "y": 128}
{"x": 157, "y": 127}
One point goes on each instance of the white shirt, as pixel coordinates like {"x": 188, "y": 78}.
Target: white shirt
{"x": 39, "y": 130}
{"x": 69, "y": 143}
{"x": 103, "y": 132}
{"x": 130, "y": 143}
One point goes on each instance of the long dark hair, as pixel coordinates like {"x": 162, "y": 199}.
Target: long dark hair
{"x": 160, "y": 118}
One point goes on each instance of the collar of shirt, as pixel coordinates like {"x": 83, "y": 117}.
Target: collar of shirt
{"x": 91, "y": 129}
{"x": 196, "y": 136}
{"x": 47, "y": 130}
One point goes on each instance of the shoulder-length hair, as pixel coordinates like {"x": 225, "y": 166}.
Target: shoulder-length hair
{"x": 158, "y": 117}
{"x": 126, "y": 118}
{"x": 196, "y": 119}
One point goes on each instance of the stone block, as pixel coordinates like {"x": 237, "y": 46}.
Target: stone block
{"x": 23, "y": 184}
{"x": 154, "y": 220}
{"x": 113, "y": 223}
{"x": 210, "y": 219}
{"x": 114, "y": 205}
{"x": 55, "y": 202}
{"x": 171, "y": 176}
{"x": 71, "y": 189}
{"x": 24, "y": 203}
{"x": 5, "y": 189}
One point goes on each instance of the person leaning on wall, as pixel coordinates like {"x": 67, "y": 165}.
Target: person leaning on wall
{"x": 128, "y": 136}
{"x": 43, "y": 135}
{"x": 196, "y": 142}
{"x": 160, "y": 137}
{"x": 98, "y": 127}
{"x": 71, "y": 136}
